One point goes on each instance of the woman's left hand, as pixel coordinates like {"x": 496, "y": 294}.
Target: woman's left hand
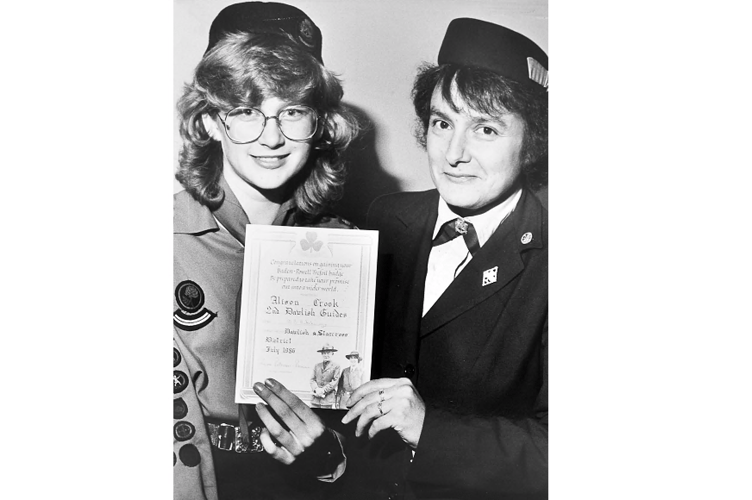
{"x": 305, "y": 427}
{"x": 385, "y": 403}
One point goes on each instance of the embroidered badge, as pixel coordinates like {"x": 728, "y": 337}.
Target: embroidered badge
{"x": 536, "y": 72}
{"x": 310, "y": 242}
{"x": 179, "y": 408}
{"x": 460, "y": 225}
{"x": 306, "y": 33}
{"x": 489, "y": 275}
{"x": 183, "y": 431}
{"x": 191, "y": 313}
{"x": 526, "y": 238}
{"x": 179, "y": 381}
{"x": 189, "y": 455}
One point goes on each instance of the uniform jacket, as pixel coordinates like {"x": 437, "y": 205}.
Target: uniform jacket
{"x": 478, "y": 358}
{"x": 208, "y": 260}
{"x": 349, "y": 381}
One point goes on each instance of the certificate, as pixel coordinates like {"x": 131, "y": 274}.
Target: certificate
{"x": 306, "y": 312}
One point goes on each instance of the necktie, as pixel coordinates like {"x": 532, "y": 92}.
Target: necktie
{"x": 456, "y": 227}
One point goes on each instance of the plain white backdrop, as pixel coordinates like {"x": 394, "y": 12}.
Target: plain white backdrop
{"x": 650, "y": 240}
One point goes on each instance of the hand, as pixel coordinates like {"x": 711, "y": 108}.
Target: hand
{"x": 305, "y": 427}
{"x": 402, "y": 409}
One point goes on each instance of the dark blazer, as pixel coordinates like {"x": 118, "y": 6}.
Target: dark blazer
{"x": 478, "y": 358}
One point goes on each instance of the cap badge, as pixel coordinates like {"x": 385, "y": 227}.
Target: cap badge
{"x": 306, "y": 33}
{"x": 537, "y": 72}
{"x": 489, "y": 275}
{"x": 191, "y": 313}
{"x": 460, "y": 225}
{"x": 526, "y": 238}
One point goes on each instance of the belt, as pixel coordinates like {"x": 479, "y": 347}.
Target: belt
{"x": 228, "y": 437}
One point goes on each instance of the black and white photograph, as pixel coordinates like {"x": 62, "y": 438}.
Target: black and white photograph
{"x": 403, "y": 255}
{"x": 436, "y": 138}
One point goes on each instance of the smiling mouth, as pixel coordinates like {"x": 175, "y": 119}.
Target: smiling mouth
{"x": 270, "y": 161}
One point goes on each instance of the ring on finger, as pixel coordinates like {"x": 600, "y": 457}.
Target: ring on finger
{"x": 380, "y": 410}
{"x": 381, "y": 396}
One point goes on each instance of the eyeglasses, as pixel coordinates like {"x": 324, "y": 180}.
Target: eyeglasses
{"x": 297, "y": 123}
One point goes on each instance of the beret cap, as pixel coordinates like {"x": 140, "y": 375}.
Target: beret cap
{"x": 267, "y": 17}
{"x": 472, "y": 42}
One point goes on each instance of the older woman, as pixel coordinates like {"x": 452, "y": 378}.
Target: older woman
{"x": 263, "y": 129}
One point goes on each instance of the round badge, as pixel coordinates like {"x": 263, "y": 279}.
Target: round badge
{"x": 179, "y": 381}
{"x": 189, "y": 455}
{"x": 175, "y": 357}
{"x": 179, "y": 408}
{"x": 189, "y": 295}
{"x": 183, "y": 431}
{"x": 526, "y": 238}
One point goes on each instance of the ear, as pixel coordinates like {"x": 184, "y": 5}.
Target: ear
{"x": 211, "y": 127}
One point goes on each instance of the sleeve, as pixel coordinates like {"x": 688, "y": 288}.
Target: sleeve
{"x": 314, "y": 384}
{"x": 494, "y": 456}
{"x": 193, "y": 467}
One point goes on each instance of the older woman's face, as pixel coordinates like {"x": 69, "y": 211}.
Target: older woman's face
{"x": 268, "y": 163}
{"x": 474, "y": 159}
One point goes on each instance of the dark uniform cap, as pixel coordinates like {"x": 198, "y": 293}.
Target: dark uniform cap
{"x": 262, "y": 17}
{"x": 471, "y": 42}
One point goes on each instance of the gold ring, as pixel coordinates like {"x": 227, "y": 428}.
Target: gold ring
{"x": 381, "y": 395}
{"x": 380, "y": 410}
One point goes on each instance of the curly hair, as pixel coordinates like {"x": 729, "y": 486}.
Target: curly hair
{"x": 243, "y": 69}
{"x": 490, "y": 94}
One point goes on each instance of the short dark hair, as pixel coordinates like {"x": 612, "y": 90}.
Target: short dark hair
{"x": 488, "y": 93}
{"x": 243, "y": 69}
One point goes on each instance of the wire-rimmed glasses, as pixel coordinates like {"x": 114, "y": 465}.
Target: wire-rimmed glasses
{"x": 245, "y": 124}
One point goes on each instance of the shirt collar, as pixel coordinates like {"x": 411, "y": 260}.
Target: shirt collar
{"x": 193, "y": 218}
{"x": 486, "y": 223}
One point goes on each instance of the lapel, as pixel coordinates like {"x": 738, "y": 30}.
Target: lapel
{"x": 502, "y": 250}
{"x": 230, "y": 214}
{"x": 411, "y": 239}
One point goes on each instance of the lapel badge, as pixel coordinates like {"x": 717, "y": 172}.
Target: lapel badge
{"x": 526, "y": 238}
{"x": 460, "y": 225}
{"x": 489, "y": 275}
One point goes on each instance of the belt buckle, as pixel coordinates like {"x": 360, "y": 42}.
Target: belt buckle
{"x": 226, "y": 437}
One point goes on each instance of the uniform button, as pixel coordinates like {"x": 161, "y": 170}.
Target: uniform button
{"x": 179, "y": 381}
{"x": 175, "y": 357}
{"x": 184, "y": 431}
{"x": 409, "y": 370}
{"x": 179, "y": 409}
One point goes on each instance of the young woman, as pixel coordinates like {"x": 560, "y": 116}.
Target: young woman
{"x": 263, "y": 129}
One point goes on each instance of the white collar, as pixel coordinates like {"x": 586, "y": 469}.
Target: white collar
{"x": 486, "y": 223}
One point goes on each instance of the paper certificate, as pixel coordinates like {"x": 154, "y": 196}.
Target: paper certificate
{"x": 306, "y": 314}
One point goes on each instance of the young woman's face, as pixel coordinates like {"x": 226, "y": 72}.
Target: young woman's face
{"x": 267, "y": 163}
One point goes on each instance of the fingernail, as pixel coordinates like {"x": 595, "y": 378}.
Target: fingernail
{"x": 258, "y": 388}
{"x": 260, "y": 405}
{"x": 270, "y": 382}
